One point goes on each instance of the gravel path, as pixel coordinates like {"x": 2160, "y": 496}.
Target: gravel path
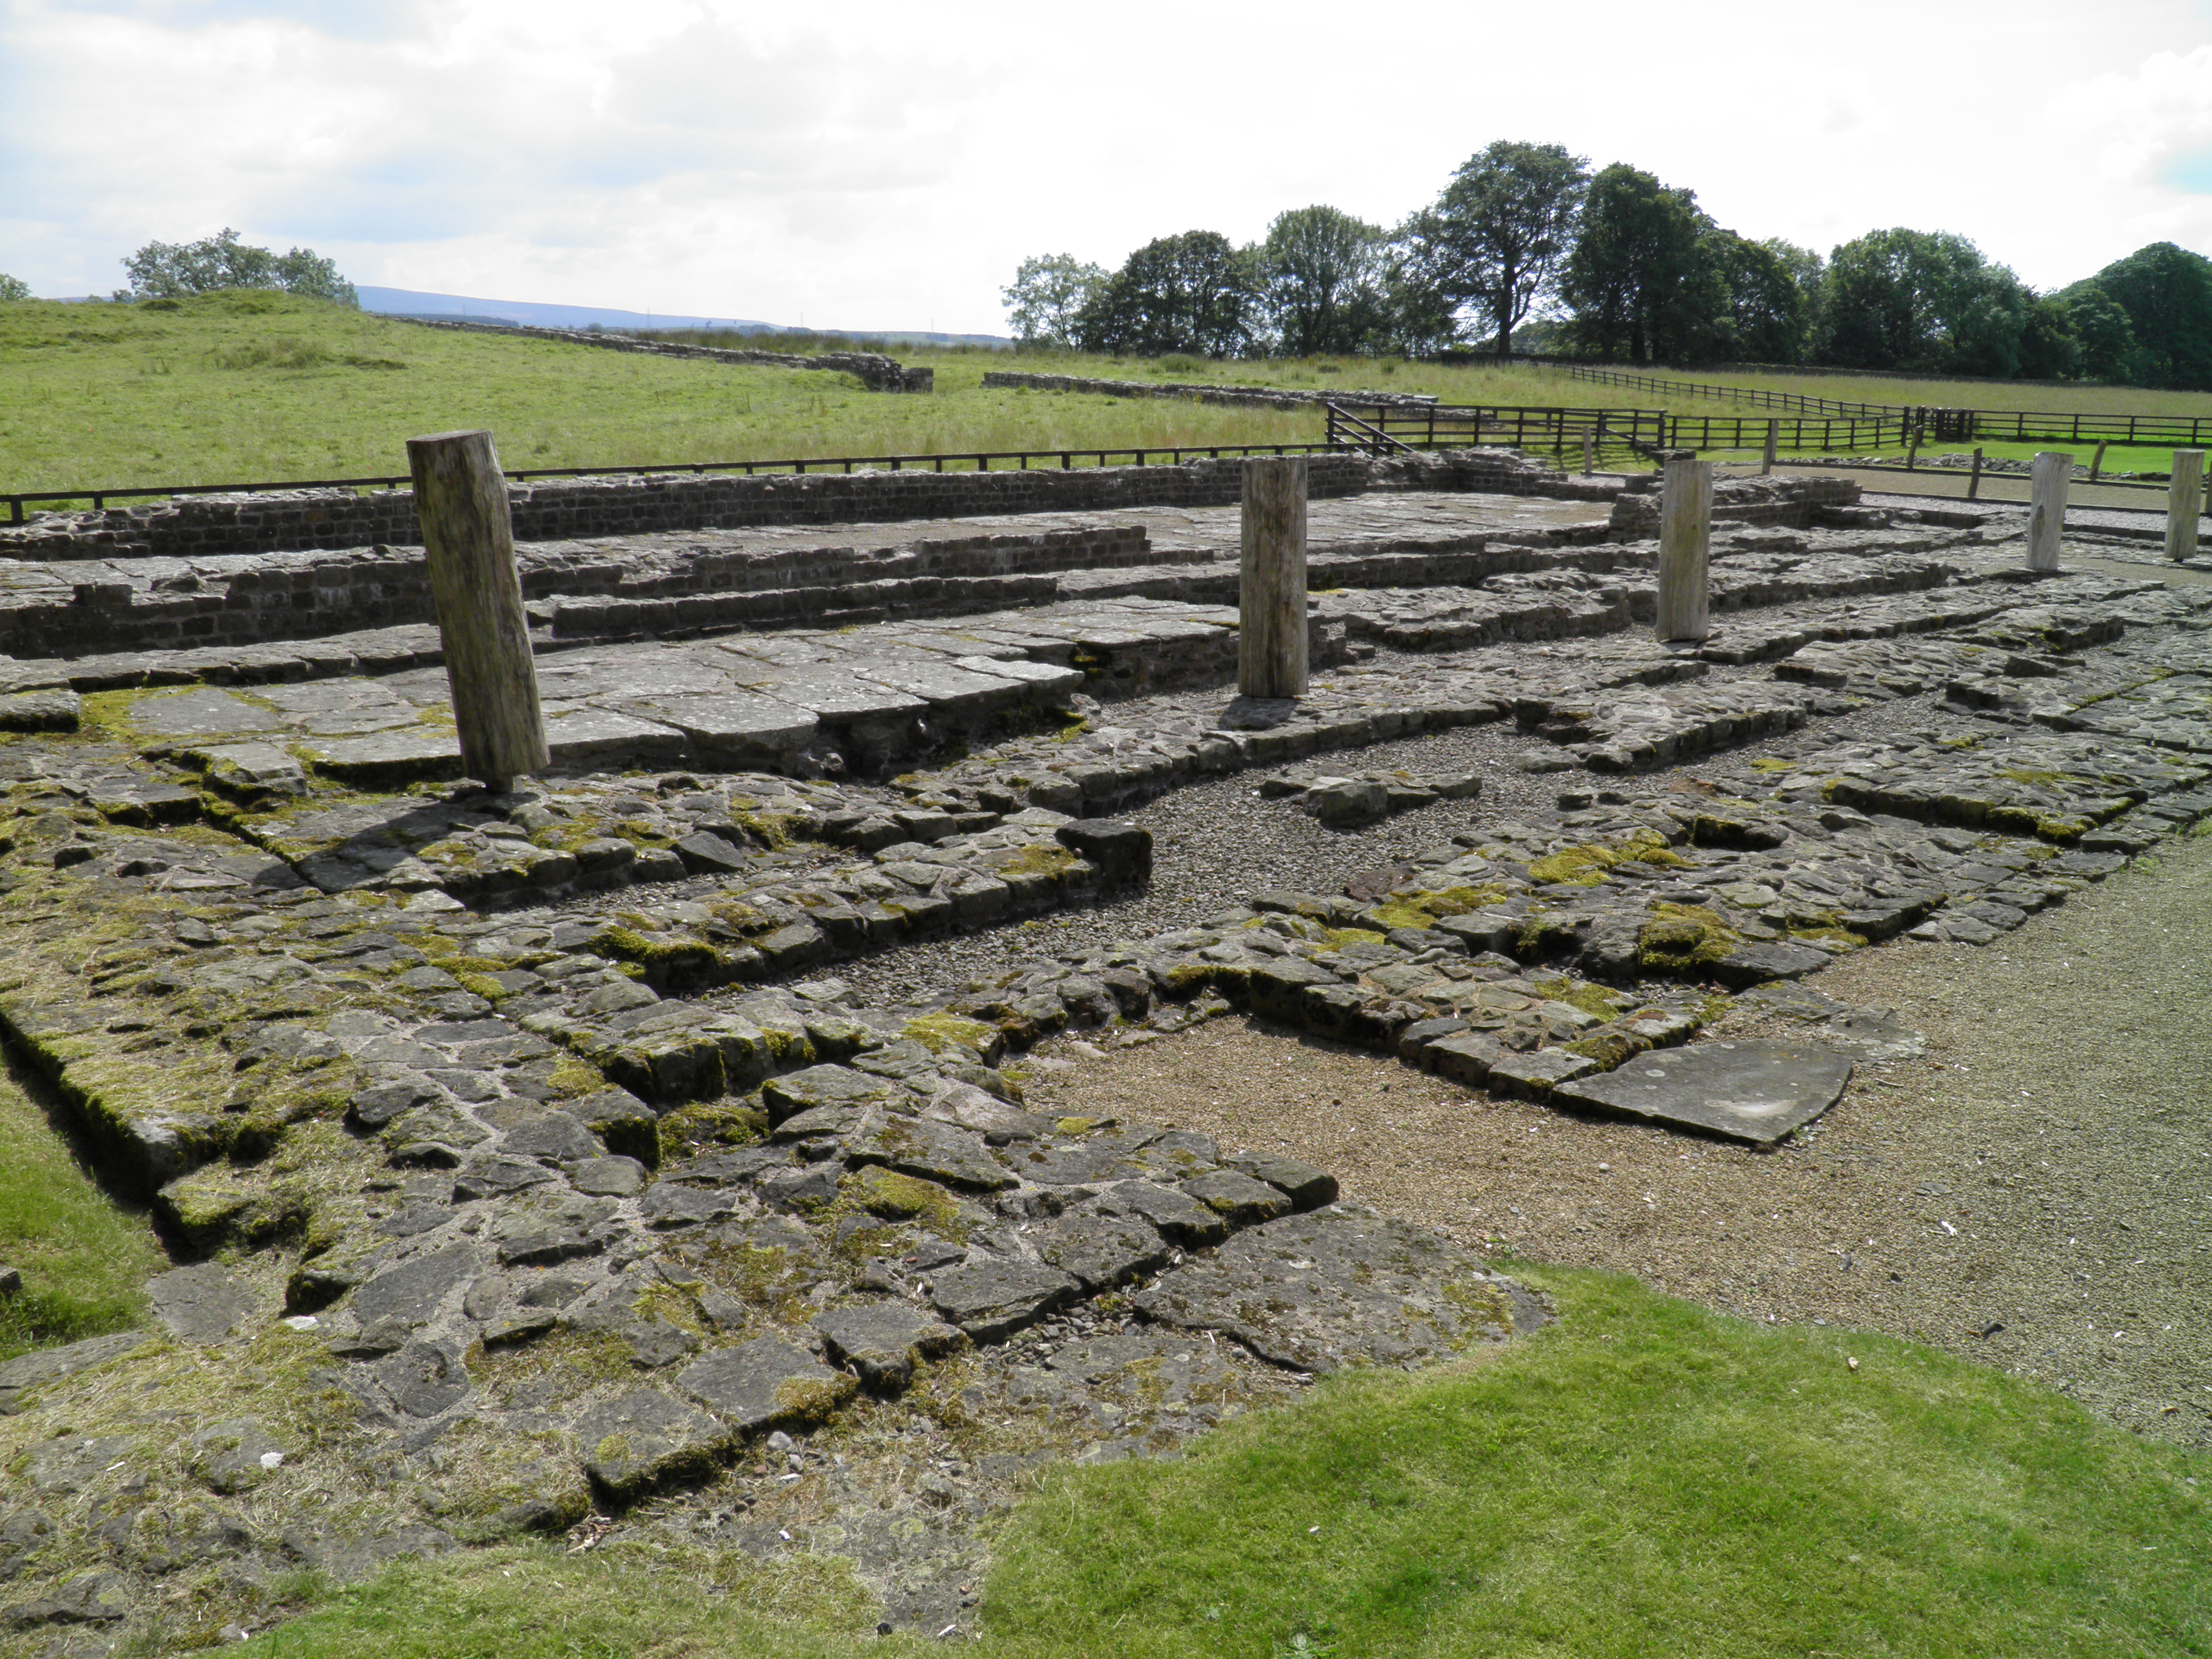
{"x": 1214, "y": 842}
{"x": 2035, "y": 1191}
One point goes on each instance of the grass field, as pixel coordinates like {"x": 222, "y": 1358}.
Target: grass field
{"x": 251, "y": 386}
{"x": 84, "y": 1258}
{"x": 1646, "y": 1479}
{"x": 258, "y": 386}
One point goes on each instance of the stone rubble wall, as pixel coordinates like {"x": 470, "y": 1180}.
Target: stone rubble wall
{"x": 197, "y": 526}
{"x": 1259, "y": 397}
{"x": 872, "y": 369}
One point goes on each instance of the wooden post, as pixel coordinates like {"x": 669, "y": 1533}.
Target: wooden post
{"x": 1974, "y": 477}
{"x": 1767, "y": 460}
{"x": 2097, "y": 460}
{"x": 1271, "y": 605}
{"x": 460, "y": 500}
{"x": 2184, "y": 500}
{"x": 2046, "y": 516}
{"x": 1589, "y": 456}
{"x": 1686, "y": 512}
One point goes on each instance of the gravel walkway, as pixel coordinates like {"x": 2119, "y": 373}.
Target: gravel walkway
{"x": 2035, "y": 1191}
{"x": 1214, "y": 842}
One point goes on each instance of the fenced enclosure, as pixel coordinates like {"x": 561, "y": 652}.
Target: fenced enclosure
{"x": 1928, "y": 422}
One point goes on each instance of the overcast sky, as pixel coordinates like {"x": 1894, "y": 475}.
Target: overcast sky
{"x": 868, "y": 166}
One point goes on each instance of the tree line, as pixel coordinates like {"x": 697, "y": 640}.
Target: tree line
{"x": 1525, "y": 241}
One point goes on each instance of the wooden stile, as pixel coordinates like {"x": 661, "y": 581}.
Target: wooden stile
{"x": 461, "y": 501}
{"x": 1271, "y": 607}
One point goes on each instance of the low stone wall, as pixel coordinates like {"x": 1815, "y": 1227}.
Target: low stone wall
{"x": 872, "y": 369}
{"x": 63, "y": 611}
{"x": 197, "y": 526}
{"x": 1260, "y": 397}
{"x": 1794, "y": 503}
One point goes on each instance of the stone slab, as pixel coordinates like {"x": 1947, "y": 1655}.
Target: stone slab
{"x": 763, "y": 1384}
{"x": 1755, "y": 1091}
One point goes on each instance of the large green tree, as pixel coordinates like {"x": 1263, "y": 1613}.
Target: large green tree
{"x": 1322, "y": 274}
{"x": 1642, "y": 275}
{"x": 1196, "y": 292}
{"x": 14, "y": 288}
{"x": 1047, "y": 297}
{"x": 2165, "y": 292}
{"x": 164, "y": 269}
{"x": 2104, "y": 332}
{"x": 1491, "y": 245}
{"x": 1767, "y": 316}
{"x": 1923, "y": 301}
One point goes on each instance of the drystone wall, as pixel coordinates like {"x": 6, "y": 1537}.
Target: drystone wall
{"x": 1262, "y": 396}
{"x": 197, "y": 526}
{"x": 873, "y": 369}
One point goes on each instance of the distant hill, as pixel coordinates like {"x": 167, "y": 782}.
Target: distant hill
{"x": 459, "y": 308}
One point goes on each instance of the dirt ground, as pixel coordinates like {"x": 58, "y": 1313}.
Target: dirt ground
{"x": 2035, "y": 1191}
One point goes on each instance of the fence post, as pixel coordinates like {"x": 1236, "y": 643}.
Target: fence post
{"x": 1685, "y": 512}
{"x": 2046, "y": 516}
{"x": 1974, "y": 477}
{"x": 468, "y": 539}
{"x": 1589, "y": 456}
{"x": 2184, "y": 500}
{"x": 1767, "y": 460}
{"x": 1271, "y": 594}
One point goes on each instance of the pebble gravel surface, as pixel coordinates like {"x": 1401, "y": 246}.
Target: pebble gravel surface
{"x": 2034, "y": 1192}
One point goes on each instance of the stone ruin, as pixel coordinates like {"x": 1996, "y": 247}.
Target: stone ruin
{"x": 525, "y": 1157}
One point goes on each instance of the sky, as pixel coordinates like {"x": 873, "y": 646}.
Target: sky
{"x": 872, "y": 166}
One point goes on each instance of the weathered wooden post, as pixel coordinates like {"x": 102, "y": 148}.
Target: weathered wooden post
{"x": 2184, "y": 500}
{"x": 2097, "y": 460}
{"x": 1686, "y": 512}
{"x": 1271, "y": 605}
{"x": 1589, "y": 456}
{"x": 1767, "y": 459}
{"x": 461, "y": 501}
{"x": 2047, "y": 514}
{"x": 1974, "y": 477}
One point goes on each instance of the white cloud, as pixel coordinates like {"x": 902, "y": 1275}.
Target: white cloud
{"x": 882, "y": 164}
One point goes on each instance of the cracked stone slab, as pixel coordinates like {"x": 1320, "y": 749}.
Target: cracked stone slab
{"x": 1756, "y": 1092}
{"x": 1342, "y": 1286}
{"x": 201, "y": 1304}
{"x": 643, "y": 1439}
{"x": 763, "y": 1384}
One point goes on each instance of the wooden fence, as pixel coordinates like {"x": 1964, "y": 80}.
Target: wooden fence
{"x": 1934, "y": 423}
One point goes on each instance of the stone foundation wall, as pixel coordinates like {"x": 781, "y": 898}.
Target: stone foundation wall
{"x": 1796, "y": 503}
{"x": 197, "y": 526}
{"x": 309, "y": 595}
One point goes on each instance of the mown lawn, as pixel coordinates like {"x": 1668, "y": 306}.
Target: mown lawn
{"x": 84, "y": 1258}
{"x": 1646, "y": 1479}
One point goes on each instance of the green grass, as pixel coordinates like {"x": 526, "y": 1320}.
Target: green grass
{"x": 258, "y": 386}
{"x": 255, "y": 386}
{"x": 1646, "y": 1479}
{"x": 84, "y": 1260}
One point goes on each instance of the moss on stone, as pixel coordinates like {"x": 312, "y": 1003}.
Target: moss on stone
{"x": 1593, "y": 1000}
{"x": 1039, "y": 858}
{"x": 1340, "y": 939}
{"x": 1684, "y": 938}
{"x": 711, "y": 1123}
{"x": 939, "y": 1031}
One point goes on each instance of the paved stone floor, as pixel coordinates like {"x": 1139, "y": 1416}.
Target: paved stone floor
{"x": 556, "y": 1160}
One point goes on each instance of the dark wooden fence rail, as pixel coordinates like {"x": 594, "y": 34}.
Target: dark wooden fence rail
{"x": 1381, "y": 428}
{"x": 1937, "y": 423}
{"x": 976, "y": 460}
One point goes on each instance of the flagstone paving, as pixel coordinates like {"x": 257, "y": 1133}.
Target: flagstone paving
{"x": 528, "y": 1157}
